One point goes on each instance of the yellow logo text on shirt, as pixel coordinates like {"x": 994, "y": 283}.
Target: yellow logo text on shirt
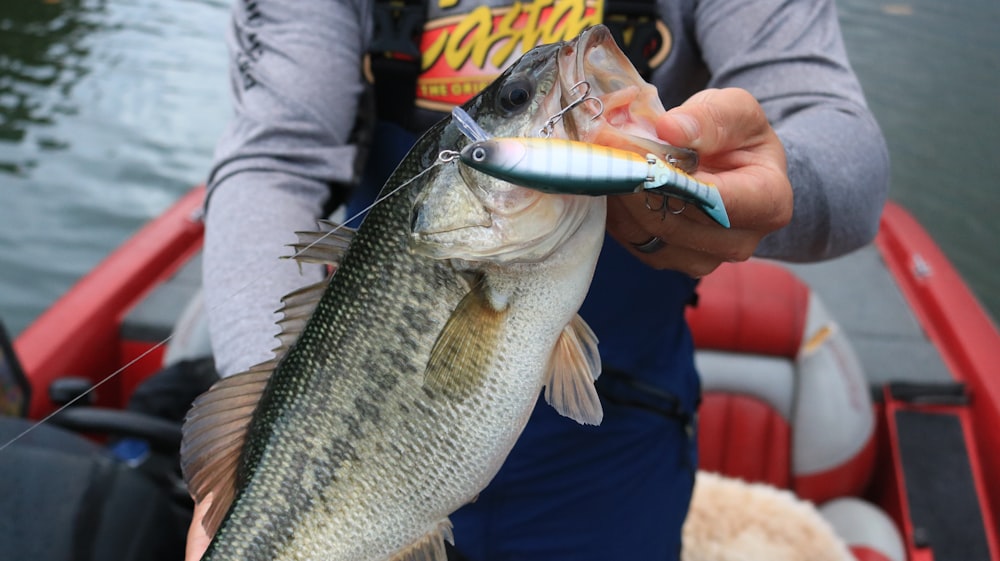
{"x": 463, "y": 54}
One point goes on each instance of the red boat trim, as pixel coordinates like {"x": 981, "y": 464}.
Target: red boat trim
{"x": 965, "y": 336}
{"x": 80, "y": 336}
{"x": 83, "y": 326}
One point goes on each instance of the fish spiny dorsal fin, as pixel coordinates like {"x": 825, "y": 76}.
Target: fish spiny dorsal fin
{"x": 468, "y": 341}
{"x": 430, "y": 547}
{"x": 573, "y": 367}
{"x": 214, "y": 433}
{"x": 327, "y": 246}
{"x": 297, "y": 308}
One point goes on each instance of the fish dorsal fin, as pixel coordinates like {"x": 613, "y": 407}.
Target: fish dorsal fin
{"x": 573, "y": 367}
{"x": 430, "y": 547}
{"x": 466, "y": 344}
{"x": 326, "y": 246}
{"x": 214, "y": 432}
{"x": 297, "y": 307}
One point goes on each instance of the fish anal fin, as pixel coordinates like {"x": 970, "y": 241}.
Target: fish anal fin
{"x": 466, "y": 345}
{"x": 213, "y": 436}
{"x": 430, "y": 547}
{"x": 573, "y": 367}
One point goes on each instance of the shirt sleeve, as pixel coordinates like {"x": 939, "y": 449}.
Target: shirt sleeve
{"x": 791, "y": 57}
{"x": 295, "y": 73}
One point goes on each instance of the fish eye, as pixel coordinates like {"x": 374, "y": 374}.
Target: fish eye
{"x": 515, "y": 95}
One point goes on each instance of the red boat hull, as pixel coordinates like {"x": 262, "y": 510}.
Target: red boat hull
{"x": 81, "y": 335}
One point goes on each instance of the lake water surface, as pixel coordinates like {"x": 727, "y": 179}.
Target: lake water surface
{"x": 109, "y": 110}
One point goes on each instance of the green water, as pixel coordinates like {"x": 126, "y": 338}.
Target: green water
{"x": 109, "y": 110}
{"x": 108, "y": 113}
{"x": 931, "y": 72}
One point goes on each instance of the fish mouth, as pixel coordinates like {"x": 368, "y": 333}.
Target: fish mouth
{"x": 624, "y": 112}
{"x": 492, "y": 221}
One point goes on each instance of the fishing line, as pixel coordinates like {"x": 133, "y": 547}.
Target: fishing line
{"x": 250, "y": 283}
{"x": 468, "y": 127}
{"x": 86, "y": 393}
{"x": 466, "y": 124}
{"x": 365, "y": 23}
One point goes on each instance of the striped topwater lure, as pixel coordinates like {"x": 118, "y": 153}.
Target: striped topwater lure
{"x": 579, "y": 168}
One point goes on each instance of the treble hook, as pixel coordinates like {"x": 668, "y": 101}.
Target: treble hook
{"x": 550, "y": 124}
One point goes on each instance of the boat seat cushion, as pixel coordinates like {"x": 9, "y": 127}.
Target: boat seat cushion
{"x": 743, "y": 423}
{"x": 868, "y": 531}
{"x": 785, "y": 400}
{"x": 753, "y": 307}
{"x": 789, "y": 404}
{"x": 74, "y": 501}
{"x": 723, "y": 415}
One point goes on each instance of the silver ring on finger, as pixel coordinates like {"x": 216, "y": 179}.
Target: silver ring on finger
{"x": 651, "y": 245}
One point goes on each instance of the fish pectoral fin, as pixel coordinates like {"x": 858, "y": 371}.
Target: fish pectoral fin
{"x": 430, "y": 547}
{"x": 465, "y": 346}
{"x": 213, "y": 436}
{"x": 573, "y": 367}
{"x": 326, "y": 246}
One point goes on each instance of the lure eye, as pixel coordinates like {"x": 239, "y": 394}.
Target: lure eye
{"x": 515, "y": 95}
{"x": 479, "y": 154}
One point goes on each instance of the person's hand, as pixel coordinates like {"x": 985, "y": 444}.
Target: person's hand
{"x": 740, "y": 154}
{"x": 197, "y": 538}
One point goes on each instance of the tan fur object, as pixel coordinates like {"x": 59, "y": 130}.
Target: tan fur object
{"x": 731, "y": 520}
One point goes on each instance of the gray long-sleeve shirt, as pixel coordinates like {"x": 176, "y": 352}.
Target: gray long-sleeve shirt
{"x": 297, "y": 82}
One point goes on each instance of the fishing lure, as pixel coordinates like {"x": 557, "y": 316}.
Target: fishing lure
{"x": 579, "y": 168}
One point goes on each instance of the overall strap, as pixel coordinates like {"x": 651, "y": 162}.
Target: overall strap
{"x": 633, "y": 25}
{"x": 394, "y": 57}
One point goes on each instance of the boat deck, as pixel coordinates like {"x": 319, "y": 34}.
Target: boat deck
{"x": 865, "y": 300}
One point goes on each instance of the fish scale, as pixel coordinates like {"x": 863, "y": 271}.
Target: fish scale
{"x": 406, "y": 379}
{"x": 369, "y": 359}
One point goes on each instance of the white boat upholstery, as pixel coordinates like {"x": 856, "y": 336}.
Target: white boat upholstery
{"x": 785, "y": 398}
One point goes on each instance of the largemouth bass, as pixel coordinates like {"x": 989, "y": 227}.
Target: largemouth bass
{"x": 405, "y": 379}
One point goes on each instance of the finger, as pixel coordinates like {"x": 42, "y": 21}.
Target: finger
{"x": 739, "y": 153}
{"x": 197, "y": 538}
{"x": 714, "y": 120}
{"x": 667, "y": 256}
{"x": 622, "y": 222}
{"x": 684, "y": 226}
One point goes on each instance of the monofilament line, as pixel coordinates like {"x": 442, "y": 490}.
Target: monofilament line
{"x": 168, "y": 338}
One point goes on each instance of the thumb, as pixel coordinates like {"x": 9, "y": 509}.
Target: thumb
{"x": 712, "y": 120}
{"x": 679, "y": 126}
{"x": 684, "y": 125}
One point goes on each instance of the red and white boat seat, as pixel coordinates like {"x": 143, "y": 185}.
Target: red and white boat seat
{"x": 868, "y": 531}
{"x": 785, "y": 398}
